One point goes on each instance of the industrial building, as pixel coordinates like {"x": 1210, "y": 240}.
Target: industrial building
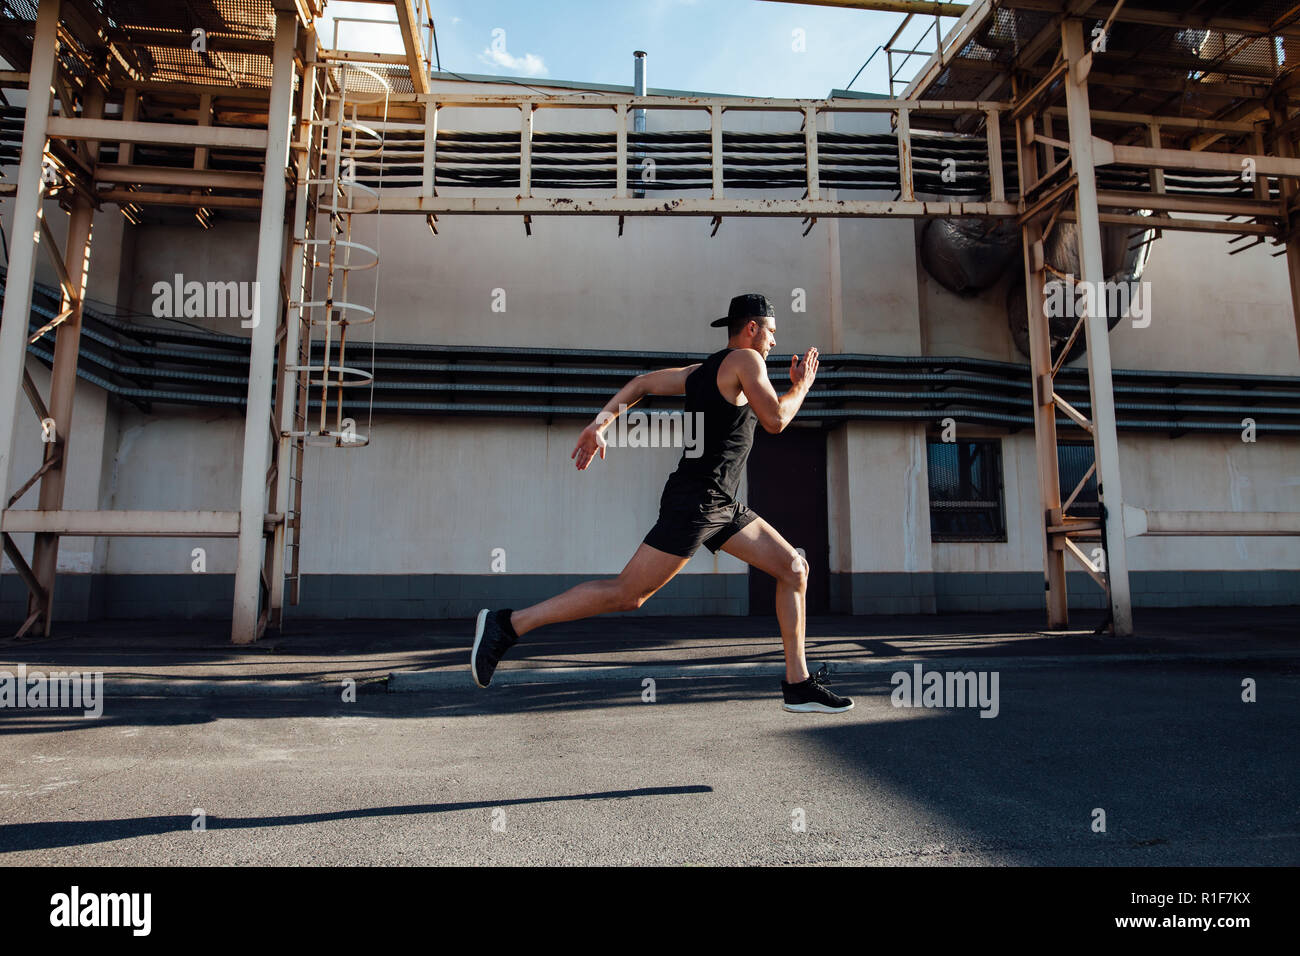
{"x": 320, "y": 327}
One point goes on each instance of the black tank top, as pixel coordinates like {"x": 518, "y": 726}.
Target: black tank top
{"x": 728, "y": 433}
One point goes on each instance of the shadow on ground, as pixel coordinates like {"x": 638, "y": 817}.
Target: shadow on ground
{"x": 54, "y": 834}
{"x": 363, "y": 650}
{"x": 1185, "y": 771}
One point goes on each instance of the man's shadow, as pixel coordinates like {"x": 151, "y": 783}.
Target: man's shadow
{"x": 63, "y": 833}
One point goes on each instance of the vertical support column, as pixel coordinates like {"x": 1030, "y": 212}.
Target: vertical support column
{"x": 1040, "y": 369}
{"x": 430, "y": 147}
{"x": 22, "y": 251}
{"x": 201, "y": 154}
{"x": 286, "y": 390}
{"x": 1157, "y": 175}
{"x": 620, "y": 139}
{"x": 906, "y": 191}
{"x": 1293, "y": 272}
{"x": 715, "y": 127}
{"x": 63, "y": 379}
{"x": 270, "y": 249}
{"x": 130, "y": 107}
{"x": 1100, "y": 389}
{"x": 1262, "y": 190}
{"x": 1284, "y": 146}
{"x": 526, "y": 149}
{"x": 993, "y": 128}
{"x": 810, "y": 151}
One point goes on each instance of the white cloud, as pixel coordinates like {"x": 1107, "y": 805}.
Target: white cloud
{"x": 530, "y": 64}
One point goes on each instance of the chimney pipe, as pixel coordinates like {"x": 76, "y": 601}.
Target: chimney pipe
{"x": 638, "y": 115}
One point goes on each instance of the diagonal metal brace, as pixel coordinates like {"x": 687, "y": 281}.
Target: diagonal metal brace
{"x": 56, "y": 456}
{"x": 29, "y": 578}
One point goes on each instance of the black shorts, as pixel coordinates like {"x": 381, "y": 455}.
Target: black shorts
{"x": 689, "y": 517}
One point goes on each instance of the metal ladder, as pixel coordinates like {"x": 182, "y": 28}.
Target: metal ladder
{"x": 342, "y": 146}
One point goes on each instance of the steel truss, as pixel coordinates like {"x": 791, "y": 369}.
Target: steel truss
{"x": 1057, "y": 182}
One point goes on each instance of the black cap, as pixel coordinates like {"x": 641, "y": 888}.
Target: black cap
{"x": 751, "y": 305}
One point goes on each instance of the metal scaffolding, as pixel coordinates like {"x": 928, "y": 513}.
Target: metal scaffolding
{"x": 1158, "y": 126}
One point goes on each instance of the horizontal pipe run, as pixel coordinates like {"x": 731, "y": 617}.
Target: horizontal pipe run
{"x": 1138, "y": 521}
{"x": 166, "y": 524}
{"x": 966, "y": 389}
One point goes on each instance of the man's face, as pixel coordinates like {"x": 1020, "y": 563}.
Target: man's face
{"x": 764, "y": 335}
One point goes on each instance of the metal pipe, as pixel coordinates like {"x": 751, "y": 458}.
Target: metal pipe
{"x": 638, "y": 114}
{"x": 987, "y": 387}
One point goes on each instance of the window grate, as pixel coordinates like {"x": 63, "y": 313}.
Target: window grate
{"x": 966, "y": 501}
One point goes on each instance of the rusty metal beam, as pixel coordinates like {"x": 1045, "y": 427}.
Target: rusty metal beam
{"x": 163, "y": 134}
{"x": 28, "y": 578}
{"x": 1165, "y": 18}
{"x": 446, "y": 98}
{"x": 181, "y": 40}
{"x": 415, "y": 61}
{"x": 53, "y": 457}
{"x": 173, "y": 176}
{"x": 1103, "y": 117}
{"x": 24, "y": 224}
{"x": 1100, "y": 386}
{"x": 1105, "y": 153}
{"x": 801, "y": 208}
{"x": 1040, "y": 360}
{"x": 126, "y": 197}
{"x": 1087, "y": 565}
{"x": 1176, "y": 202}
{"x": 1181, "y": 225}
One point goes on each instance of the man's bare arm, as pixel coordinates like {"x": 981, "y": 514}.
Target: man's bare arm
{"x": 665, "y": 381}
{"x": 775, "y": 413}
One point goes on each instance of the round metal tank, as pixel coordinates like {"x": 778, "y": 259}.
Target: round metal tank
{"x": 967, "y": 256}
{"x": 1124, "y": 256}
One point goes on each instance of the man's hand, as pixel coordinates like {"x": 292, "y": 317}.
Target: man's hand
{"x": 590, "y": 442}
{"x": 803, "y": 371}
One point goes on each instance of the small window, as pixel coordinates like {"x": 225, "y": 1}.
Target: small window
{"x": 966, "y": 491}
{"x": 1073, "y": 459}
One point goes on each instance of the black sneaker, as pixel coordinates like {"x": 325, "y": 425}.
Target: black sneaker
{"x": 813, "y": 696}
{"x": 493, "y": 636}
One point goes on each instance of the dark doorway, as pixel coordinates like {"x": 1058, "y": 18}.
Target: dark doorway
{"x": 787, "y": 488}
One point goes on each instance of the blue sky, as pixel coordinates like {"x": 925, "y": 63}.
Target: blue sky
{"x": 714, "y": 46}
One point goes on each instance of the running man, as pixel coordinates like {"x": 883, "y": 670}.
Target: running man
{"x": 732, "y": 391}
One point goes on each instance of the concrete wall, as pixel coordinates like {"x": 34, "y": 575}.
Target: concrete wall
{"x": 1212, "y": 312}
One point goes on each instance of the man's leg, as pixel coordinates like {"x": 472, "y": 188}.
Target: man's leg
{"x": 761, "y": 545}
{"x": 648, "y": 571}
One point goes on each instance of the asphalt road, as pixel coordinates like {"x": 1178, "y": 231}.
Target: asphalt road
{"x": 711, "y": 772}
